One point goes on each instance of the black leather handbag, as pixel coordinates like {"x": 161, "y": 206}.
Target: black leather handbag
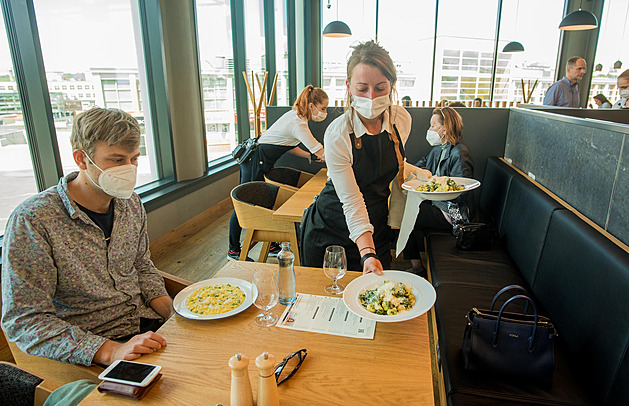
{"x": 475, "y": 236}
{"x": 243, "y": 151}
{"x": 515, "y": 345}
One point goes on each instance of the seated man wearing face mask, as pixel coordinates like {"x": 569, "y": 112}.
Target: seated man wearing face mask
{"x": 78, "y": 284}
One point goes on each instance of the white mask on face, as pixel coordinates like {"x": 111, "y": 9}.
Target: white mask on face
{"x": 370, "y": 108}
{"x": 320, "y": 116}
{"x": 117, "y": 181}
{"x": 433, "y": 138}
{"x": 624, "y": 93}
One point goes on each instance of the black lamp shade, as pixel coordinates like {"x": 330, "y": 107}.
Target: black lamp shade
{"x": 513, "y": 46}
{"x": 337, "y": 29}
{"x": 579, "y": 20}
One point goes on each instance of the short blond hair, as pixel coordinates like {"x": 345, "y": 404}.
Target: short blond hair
{"x": 111, "y": 126}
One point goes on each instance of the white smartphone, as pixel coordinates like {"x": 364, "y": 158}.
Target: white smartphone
{"x": 130, "y": 373}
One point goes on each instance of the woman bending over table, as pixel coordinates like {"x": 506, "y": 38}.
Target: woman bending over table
{"x": 448, "y": 157}
{"x": 364, "y": 153}
{"x": 283, "y": 136}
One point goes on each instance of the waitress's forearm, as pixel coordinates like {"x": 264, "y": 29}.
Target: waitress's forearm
{"x": 299, "y": 152}
{"x": 365, "y": 243}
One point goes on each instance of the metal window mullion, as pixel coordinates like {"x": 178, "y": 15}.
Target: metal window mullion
{"x": 240, "y": 65}
{"x": 495, "y": 64}
{"x": 157, "y": 87}
{"x": 292, "y": 50}
{"x": 269, "y": 43}
{"x": 30, "y": 76}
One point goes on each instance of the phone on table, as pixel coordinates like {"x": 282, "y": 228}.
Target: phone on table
{"x": 130, "y": 373}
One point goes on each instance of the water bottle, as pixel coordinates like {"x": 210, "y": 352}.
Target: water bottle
{"x": 286, "y": 275}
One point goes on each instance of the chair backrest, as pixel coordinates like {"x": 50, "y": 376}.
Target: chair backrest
{"x": 284, "y": 176}
{"x": 17, "y": 387}
{"x": 256, "y": 194}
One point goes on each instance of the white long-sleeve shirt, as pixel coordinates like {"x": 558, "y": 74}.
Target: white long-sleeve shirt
{"x": 339, "y": 160}
{"x": 290, "y": 130}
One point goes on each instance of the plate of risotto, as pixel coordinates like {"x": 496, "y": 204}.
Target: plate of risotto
{"x": 441, "y": 187}
{"x": 214, "y": 298}
{"x": 394, "y": 296}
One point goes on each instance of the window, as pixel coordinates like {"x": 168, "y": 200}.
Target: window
{"x": 217, "y": 72}
{"x": 110, "y": 46}
{"x": 611, "y": 49}
{"x": 465, "y": 29}
{"x": 281, "y": 54}
{"x": 538, "y": 60}
{"x": 17, "y": 177}
{"x": 336, "y": 51}
{"x": 254, "y": 43}
{"x": 409, "y": 38}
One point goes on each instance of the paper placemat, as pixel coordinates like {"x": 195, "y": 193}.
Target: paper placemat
{"x": 327, "y": 315}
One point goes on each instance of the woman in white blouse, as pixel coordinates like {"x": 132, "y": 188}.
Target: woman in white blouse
{"x": 283, "y": 136}
{"x": 364, "y": 153}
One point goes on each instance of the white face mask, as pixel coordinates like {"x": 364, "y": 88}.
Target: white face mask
{"x": 433, "y": 138}
{"x": 117, "y": 181}
{"x": 624, "y": 93}
{"x": 320, "y": 116}
{"x": 370, "y": 108}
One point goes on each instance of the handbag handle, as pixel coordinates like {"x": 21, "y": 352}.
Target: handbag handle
{"x": 531, "y": 340}
{"x": 505, "y": 289}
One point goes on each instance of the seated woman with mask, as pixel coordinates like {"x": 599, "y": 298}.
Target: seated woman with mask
{"x": 448, "y": 157}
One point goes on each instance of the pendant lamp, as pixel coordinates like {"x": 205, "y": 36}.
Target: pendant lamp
{"x": 513, "y": 46}
{"x": 336, "y": 29}
{"x": 579, "y": 20}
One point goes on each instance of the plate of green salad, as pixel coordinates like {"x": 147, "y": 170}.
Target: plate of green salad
{"x": 394, "y": 296}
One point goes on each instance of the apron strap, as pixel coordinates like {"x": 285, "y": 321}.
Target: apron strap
{"x": 400, "y": 161}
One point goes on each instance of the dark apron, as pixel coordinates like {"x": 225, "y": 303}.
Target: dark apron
{"x": 375, "y": 166}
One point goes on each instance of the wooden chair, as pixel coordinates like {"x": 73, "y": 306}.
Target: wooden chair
{"x": 289, "y": 178}
{"x": 254, "y": 203}
{"x": 21, "y": 387}
{"x": 63, "y": 373}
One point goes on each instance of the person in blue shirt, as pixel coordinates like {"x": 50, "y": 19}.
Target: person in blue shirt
{"x": 565, "y": 92}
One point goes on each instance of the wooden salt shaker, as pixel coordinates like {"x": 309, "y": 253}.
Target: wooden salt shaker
{"x": 240, "y": 393}
{"x": 267, "y": 386}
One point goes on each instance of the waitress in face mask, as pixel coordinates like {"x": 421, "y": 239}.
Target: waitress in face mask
{"x": 283, "y": 136}
{"x": 364, "y": 153}
{"x": 449, "y": 156}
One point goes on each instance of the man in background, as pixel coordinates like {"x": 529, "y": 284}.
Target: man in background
{"x": 78, "y": 284}
{"x": 565, "y": 92}
{"x": 623, "y": 91}
{"x": 478, "y": 102}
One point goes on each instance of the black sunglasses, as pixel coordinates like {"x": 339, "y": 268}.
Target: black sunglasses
{"x": 289, "y": 365}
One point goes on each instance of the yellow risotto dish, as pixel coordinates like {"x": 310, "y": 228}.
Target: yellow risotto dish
{"x": 440, "y": 184}
{"x": 215, "y": 299}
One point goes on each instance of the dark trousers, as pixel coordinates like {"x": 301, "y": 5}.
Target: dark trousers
{"x": 429, "y": 218}
{"x": 246, "y": 175}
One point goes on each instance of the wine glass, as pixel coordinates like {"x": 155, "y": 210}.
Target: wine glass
{"x": 266, "y": 285}
{"x": 334, "y": 267}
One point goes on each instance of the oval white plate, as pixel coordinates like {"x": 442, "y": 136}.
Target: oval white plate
{"x": 425, "y": 295}
{"x": 180, "y": 300}
{"x": 469, "y": 184}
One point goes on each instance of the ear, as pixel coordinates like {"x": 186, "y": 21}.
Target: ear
{"x": 80, "y": 159}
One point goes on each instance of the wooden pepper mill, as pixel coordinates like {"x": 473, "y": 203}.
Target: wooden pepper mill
{"x": 267, "y": 386}
{"x": 240, "y": 393}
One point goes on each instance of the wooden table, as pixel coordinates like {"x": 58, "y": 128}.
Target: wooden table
{"x": 393, "y": 368}
{"x": 294, "y": 207}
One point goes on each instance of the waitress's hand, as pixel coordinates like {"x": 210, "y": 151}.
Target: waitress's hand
{"x": 421, "y": 174}
{"x": 320, "y": 154}
{"x": 372, "y": 265}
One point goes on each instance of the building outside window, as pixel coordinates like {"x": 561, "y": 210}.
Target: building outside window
{"x": 612, "y": 52}
{"x": 336, "y": 51}
{"x": 17, "y": 178}
{"x": 107, "y": 60}
{"x": 217, "y": 75}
